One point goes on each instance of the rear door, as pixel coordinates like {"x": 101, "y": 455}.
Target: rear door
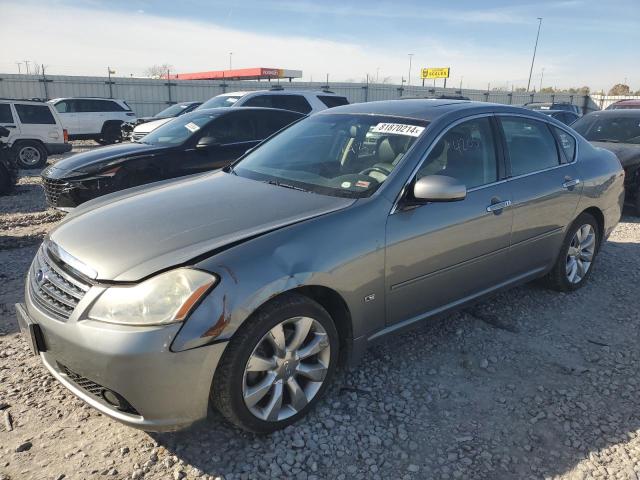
{"x": 7, "y": 120}
{"x": 546, "y": 189}
{"x": 442, "y": 253}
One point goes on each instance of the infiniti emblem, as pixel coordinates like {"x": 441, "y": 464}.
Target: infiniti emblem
{"x": 41, "y": 276}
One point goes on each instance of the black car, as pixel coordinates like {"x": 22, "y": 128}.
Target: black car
{"x": 195, "y": 142}
{"x": 566, "y": 106}
{"x": 8, "y": 167}
{"x": 564, "y": 116}
{"x": 170, "y": 112}
{"x": 619, "y": 132}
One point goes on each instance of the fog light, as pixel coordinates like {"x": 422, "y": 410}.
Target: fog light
{"x": 111, "y": 398}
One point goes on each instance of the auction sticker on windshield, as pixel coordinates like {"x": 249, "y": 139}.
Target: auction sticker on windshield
{"x": 192, "y": 127}
{"x": 398, "y": 129}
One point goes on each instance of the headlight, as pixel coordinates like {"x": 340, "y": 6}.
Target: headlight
{"x": 165, "y": 298}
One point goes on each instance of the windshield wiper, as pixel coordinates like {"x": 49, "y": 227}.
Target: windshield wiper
{"x": 285, "y": 185}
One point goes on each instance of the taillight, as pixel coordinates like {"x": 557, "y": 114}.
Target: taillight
{"x": 65, "y": 135}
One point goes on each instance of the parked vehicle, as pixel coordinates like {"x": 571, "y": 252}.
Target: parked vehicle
{"x": 8, "y": 167}
{"x": 569, "y": 107}
{"x": 624, "y": 104}
{"x": 196, "y": 142}
{"x": 90, "y": 118}
{"x": 619, "y": 132}
{"x": 143, "y": 125}
{"x": 302, "y": 101}
{"x": 249, "y": 286}
{"x": 563, "y": 116}
{"x": 35, "y": 131}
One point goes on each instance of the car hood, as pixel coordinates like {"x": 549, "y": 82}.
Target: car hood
{"x": 627, "y": 153}
{"x": 151, "y": 125}
{"x": 81, "y": 161}
{"x": 130, "y": 236}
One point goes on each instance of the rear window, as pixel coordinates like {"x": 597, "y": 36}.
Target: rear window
{"x": 35, "y": 114}
{"x": 97, "y": 106}
{"x": 295, "y": 103}
{"x": 567, "y": 144}
{"x": 333, "y": 101}
{"x": 5, "y": 113}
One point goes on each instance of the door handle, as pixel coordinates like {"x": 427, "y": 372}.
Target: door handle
{"x": 570, "y": 183}
{"x": 496, "y": 207}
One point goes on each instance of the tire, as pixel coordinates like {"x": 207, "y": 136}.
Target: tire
{"x": 111, "y": 133}
{"x": 575, "y": 250}
{"x": 30, "y": 154}
{"x": 235, "y": 391}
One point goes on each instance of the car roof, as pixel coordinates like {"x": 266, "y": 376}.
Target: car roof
{"x": 85, "y": 98}
{"x": 629, "y": 101}
{"x": 224, "y": 110}
{"x": 281, "y": 91}
{"x": 423, "y": 109}
{"x": 623, "y": 112}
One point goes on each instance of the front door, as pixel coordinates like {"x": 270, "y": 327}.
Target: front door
{"x": 546, "y": 189}
{"x": 440, "y": 254}
{"x": 7, "y": 120}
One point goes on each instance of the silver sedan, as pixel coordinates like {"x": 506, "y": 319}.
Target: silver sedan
{"x": 245, "y": 289}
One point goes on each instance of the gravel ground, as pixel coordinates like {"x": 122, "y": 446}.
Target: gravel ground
{"x": 530, "y": 384}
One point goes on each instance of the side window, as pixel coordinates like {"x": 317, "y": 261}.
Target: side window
{"x": 530, "y": 145}
{"x": 5, "y": 113}
{"x": 233, "y": 128}
{"x": 331, "y": 101}
{"x": 109, "y": 106}
{"x": 271, "y": 122}
{"x": 567, "y": 144}
{"x": 263, "y": 101}
{"x": 295, "y": 103}
{"x": 466, "y": 152}
{"x": 62, "y": 107}
{"x": 35, "y": 114}
{"x": 73, "y": 106}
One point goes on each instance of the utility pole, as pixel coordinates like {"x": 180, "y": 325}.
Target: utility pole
{"x": 409, "y": 76}
{"x": 461, "y": 82}
{"x": 377, "y": 73}
{"x": 535, "y": 48}
{"x": 109, "y": 72}
{"x": 541, "y": 77}
{"x": 230, "y": 61}
{"x": 18, "y": 63}
{"x": 26, "y": 62}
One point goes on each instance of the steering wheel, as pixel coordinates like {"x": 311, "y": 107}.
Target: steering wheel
{"x": 378, "y": 169}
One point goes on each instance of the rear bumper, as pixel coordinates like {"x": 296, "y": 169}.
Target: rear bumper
{"x": 160, "y": 390}
{"x": 58, "y": 148}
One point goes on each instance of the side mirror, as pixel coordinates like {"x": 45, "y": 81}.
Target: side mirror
{"x": 439, "y": 188}
{"x": 207, "y": 142}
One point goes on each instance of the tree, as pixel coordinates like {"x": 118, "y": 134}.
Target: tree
{"x": 521, "y": 89}
{"x": 158, "y": 71}
{"x": 620, "y": 89}
{"x": 547, "y": 90}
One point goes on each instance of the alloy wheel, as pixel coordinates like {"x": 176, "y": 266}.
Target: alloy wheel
{"x": 580, "y": 254}
{"x": 29, "y": 155}
{"x": 286, "y": 369}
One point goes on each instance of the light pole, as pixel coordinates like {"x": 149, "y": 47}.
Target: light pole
{"x": 534, "y": 52}
{"x": 409, "y": 76}
{"x": 18, "y": 63}
{"x": 541, "y": 77}
{"x": 230, "y": 63}
{"x": 377, "y": 73}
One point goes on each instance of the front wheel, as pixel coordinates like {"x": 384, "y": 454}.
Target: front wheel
{"x": 577, "y": 255}
{"x": 277, "y": 365}
{"x": 111, "y": 133}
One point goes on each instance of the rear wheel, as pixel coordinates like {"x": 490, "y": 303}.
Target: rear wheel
{"x": 577, "y": 255}
{"x": 30, "y": 154}
{"x": 277, "y": 366}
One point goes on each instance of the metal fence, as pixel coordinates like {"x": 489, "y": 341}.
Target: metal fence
{"x": 149, "y": 96}
{"x": 603, "y": 101}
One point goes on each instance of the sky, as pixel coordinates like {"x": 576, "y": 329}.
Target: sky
{"x": 486, "y": 44}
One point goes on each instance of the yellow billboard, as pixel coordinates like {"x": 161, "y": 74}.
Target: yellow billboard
{"x": 435, "y": 72}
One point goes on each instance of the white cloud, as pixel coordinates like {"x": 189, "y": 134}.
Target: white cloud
{"x": 84, "y": 41}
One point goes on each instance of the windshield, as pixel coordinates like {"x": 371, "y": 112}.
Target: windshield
{"x": 333, "y": 154}
{"x": 220, "y": 101}
{"x": 179, "y": 129}
{"x": 172, "y": 111}
{"x": 622, "y": 129}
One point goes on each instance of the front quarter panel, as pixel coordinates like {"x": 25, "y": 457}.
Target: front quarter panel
{"x": 342, "y": 251}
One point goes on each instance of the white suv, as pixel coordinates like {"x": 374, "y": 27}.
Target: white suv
{"x": 96, "y": 119}
{"x": 302, "y": 101}
{"x": 35, "y": 131}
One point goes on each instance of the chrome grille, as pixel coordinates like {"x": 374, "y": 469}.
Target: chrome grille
{"x": 137, "y": 136}
{"x": 52, "y": 190}
{"x": 53, "y": 289}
